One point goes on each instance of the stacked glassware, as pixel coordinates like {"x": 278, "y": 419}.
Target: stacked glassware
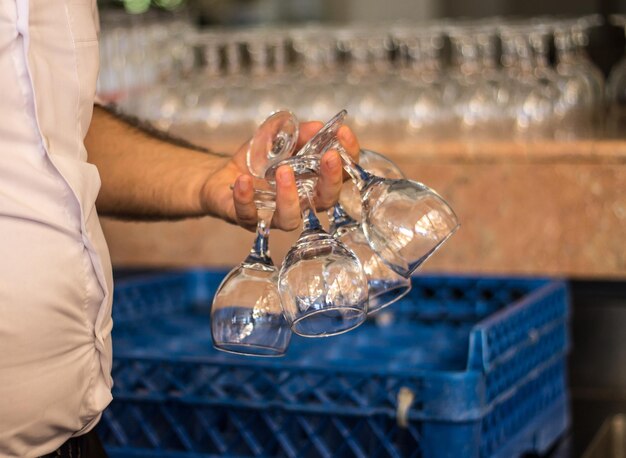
{"x": 140, "y": 51}
{"x": 328, "y": 281}
{"x": 445, "y": 79}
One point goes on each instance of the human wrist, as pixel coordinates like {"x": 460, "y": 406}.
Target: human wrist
{"x": 212, "y": 189}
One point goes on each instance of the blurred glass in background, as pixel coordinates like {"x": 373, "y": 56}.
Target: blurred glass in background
{"x": 211, "y": 70}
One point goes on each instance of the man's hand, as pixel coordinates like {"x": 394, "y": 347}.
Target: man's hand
{"x": 238, "y": 206}
{"x": 146, "y": 175}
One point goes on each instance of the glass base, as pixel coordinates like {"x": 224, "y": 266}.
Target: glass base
{"x": 329, "y": 322}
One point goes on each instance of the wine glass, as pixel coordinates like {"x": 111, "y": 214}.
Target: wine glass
{"x": 385, "y": 285}
{"x": 535, "y": 86}
{"x": 570, "y": 39}
{"x": 404, "y": 221}
{"x": 315, "y": 51}
{"x": 322, "y": 284}
{"x": 580, "y": 35}
{"x": 487, "y": 97}
{"x": 246, "y": 315}
{"x": 423, "y": 110}
{"x": 581, "y": 92}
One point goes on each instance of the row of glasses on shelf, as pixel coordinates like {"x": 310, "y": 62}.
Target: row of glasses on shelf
{"x": 439, "y": 80}
{"x": 328, "y": 281}
{"x": 139, "y": 51}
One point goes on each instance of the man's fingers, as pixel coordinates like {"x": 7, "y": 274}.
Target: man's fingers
{"x": 306, "y": 131}
{"x": 243, "y": 195}
{"x": 349, "y": 142}
{"x": 330, "y": 180}
{"x": 287, "y": 215}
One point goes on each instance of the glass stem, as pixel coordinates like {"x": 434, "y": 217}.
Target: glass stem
{"x": 260, "y": 252}
{"x": 234, "y": 58}
{"x": 280, "y": 56}
{"x": 359, "y": 175}
{"x": 338, "y": 218}
{"x": 309, "y": 218}
{"x": 212, "y": 57}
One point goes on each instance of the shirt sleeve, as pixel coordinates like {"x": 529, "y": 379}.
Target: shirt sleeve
{"x": 96, "y": 16}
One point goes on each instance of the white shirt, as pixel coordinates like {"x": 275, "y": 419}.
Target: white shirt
{"x": 55, "y": 273}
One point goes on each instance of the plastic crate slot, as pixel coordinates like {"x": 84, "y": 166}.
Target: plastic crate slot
{"x": 541, "y": 390}
{"x": 503, "y": 330}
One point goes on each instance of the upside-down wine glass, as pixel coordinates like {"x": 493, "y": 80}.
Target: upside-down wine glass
{"x": 535, "y": 90}
{"x": 246, "y": 315}
{"x": 321, "y": 283}
{"x": 404, "y": 221}
{"x": 385, "y": 285}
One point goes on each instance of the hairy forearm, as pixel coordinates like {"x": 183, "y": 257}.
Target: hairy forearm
{"x": 144, "y": 175}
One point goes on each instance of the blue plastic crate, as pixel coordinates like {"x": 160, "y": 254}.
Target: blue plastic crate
{"x": 482, "y": 359}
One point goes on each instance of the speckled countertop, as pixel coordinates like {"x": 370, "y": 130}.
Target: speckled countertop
{"x": 533, "y": 207}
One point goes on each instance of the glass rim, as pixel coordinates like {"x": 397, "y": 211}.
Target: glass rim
{"x": 361, "y": 311}
{"x": 406, "y": 273}
{"x": 274, "y": 351}
{"x": 334, "y": 123}
{"x": 405, "y": 288}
